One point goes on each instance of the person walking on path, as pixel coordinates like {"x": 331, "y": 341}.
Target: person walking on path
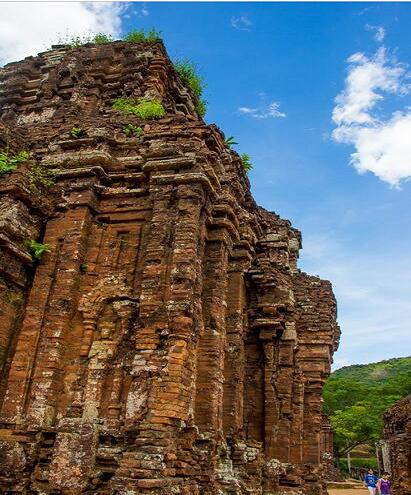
{"x": 384, "y": 484}
{"x": 370, "y": 481}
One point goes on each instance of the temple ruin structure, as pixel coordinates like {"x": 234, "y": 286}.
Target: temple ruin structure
{"x": 165, "y": 342}
{"x": 395, "y": 449}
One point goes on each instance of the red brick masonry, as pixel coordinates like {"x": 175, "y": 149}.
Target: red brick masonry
{"x": 397, "y": 436}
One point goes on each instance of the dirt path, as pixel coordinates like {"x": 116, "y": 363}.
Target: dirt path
{"x": 347, "y": 491}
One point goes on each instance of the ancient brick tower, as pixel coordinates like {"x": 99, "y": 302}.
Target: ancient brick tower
{"x": 167, "y": 343}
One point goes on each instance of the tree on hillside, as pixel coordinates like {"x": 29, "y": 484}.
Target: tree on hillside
{"x": 354, "y": 426}
{"x": 356, "y": 397}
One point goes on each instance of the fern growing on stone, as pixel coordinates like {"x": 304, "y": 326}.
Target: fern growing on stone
{"x": 230, "y": 141}
{"x": 246, "y": 162}
{"x": 9, "y": 162}
{"x": 36, "y": 249}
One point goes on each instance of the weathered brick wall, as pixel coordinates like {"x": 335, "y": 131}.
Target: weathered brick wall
{"x": 397, "y": 436}
{"x": 167, "y": 343}
{"x": 327, "y": 437}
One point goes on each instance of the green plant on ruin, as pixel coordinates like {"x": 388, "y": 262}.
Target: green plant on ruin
{"x": 230, "y": 141}
{"x": 10, "y": 161}
{"x": 190, "y": 77}
{"x": 133, "y": 130}
{"x": 201, "y": 107}
{"x": 188, "y": 73}
{"x": 75, "y": 41}
{"x": 72, "y": 41}
{"x": 76, "y": 132}
{"x": 78, "y": 41}
{"x": 83, "y": 267}
{"x": 101, "y": 39}
{"x": 245, "y": 160}
{"x": 139, "y": 35}
{"x": 141, "y": 107}
{"x": 36, "y": 249}
{"x": 40, "y": 177}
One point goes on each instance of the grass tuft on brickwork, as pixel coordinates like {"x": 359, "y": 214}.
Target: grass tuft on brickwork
{"x": 133, "y": 130}
{"x": 188, "y": 72}
{"x": 139, "y": 35}
{"x": 40, "y": 177}
{"x": 142, "y": 107}
{"x": 134, "y": 36}
{"x": 102, "y": 39}
{"x": 10, "y": 161}
{"x": 78, "y": 41}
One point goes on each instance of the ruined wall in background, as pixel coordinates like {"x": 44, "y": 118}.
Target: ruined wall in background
{"x": 397, "y": 442}
{"x": 167, "y": 343}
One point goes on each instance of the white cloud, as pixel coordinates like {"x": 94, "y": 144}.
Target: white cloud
{"x": 382, "y": 146}
{"x": 363, "y": 11}
{"x": 272, "y": 110}
{"x": 241, "y": 23}
{"x": 27, "y": 28}
{"x": 249, "y": 110}
{"x": 366, "y": 79}
{"x": 379, "y": 32}
{"x": 385, "y": 149}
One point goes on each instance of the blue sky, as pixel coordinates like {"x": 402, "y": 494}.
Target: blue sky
{"x": 273, "y": 72}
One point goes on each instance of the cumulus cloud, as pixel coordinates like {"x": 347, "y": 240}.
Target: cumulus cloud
{"x": 385, "y": 149}
{"x": 382, "y": 146}
{"x": 27, "y": 28}
{"x": 379, "y": 34}
{"x": 367, "y": 78}
{"x": 241, "y": 23}
{"x": 272, "y": 110}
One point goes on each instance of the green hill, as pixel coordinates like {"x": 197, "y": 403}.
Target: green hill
{"x": 355, "y": 398}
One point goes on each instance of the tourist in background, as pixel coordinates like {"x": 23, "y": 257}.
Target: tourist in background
{"x": 384, "y": 484}
{"x": 370, "y": 481}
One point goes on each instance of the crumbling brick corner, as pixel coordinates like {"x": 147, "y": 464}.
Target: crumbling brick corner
{"x": 397, "y": 445}
{"x": 167, "y": 342}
